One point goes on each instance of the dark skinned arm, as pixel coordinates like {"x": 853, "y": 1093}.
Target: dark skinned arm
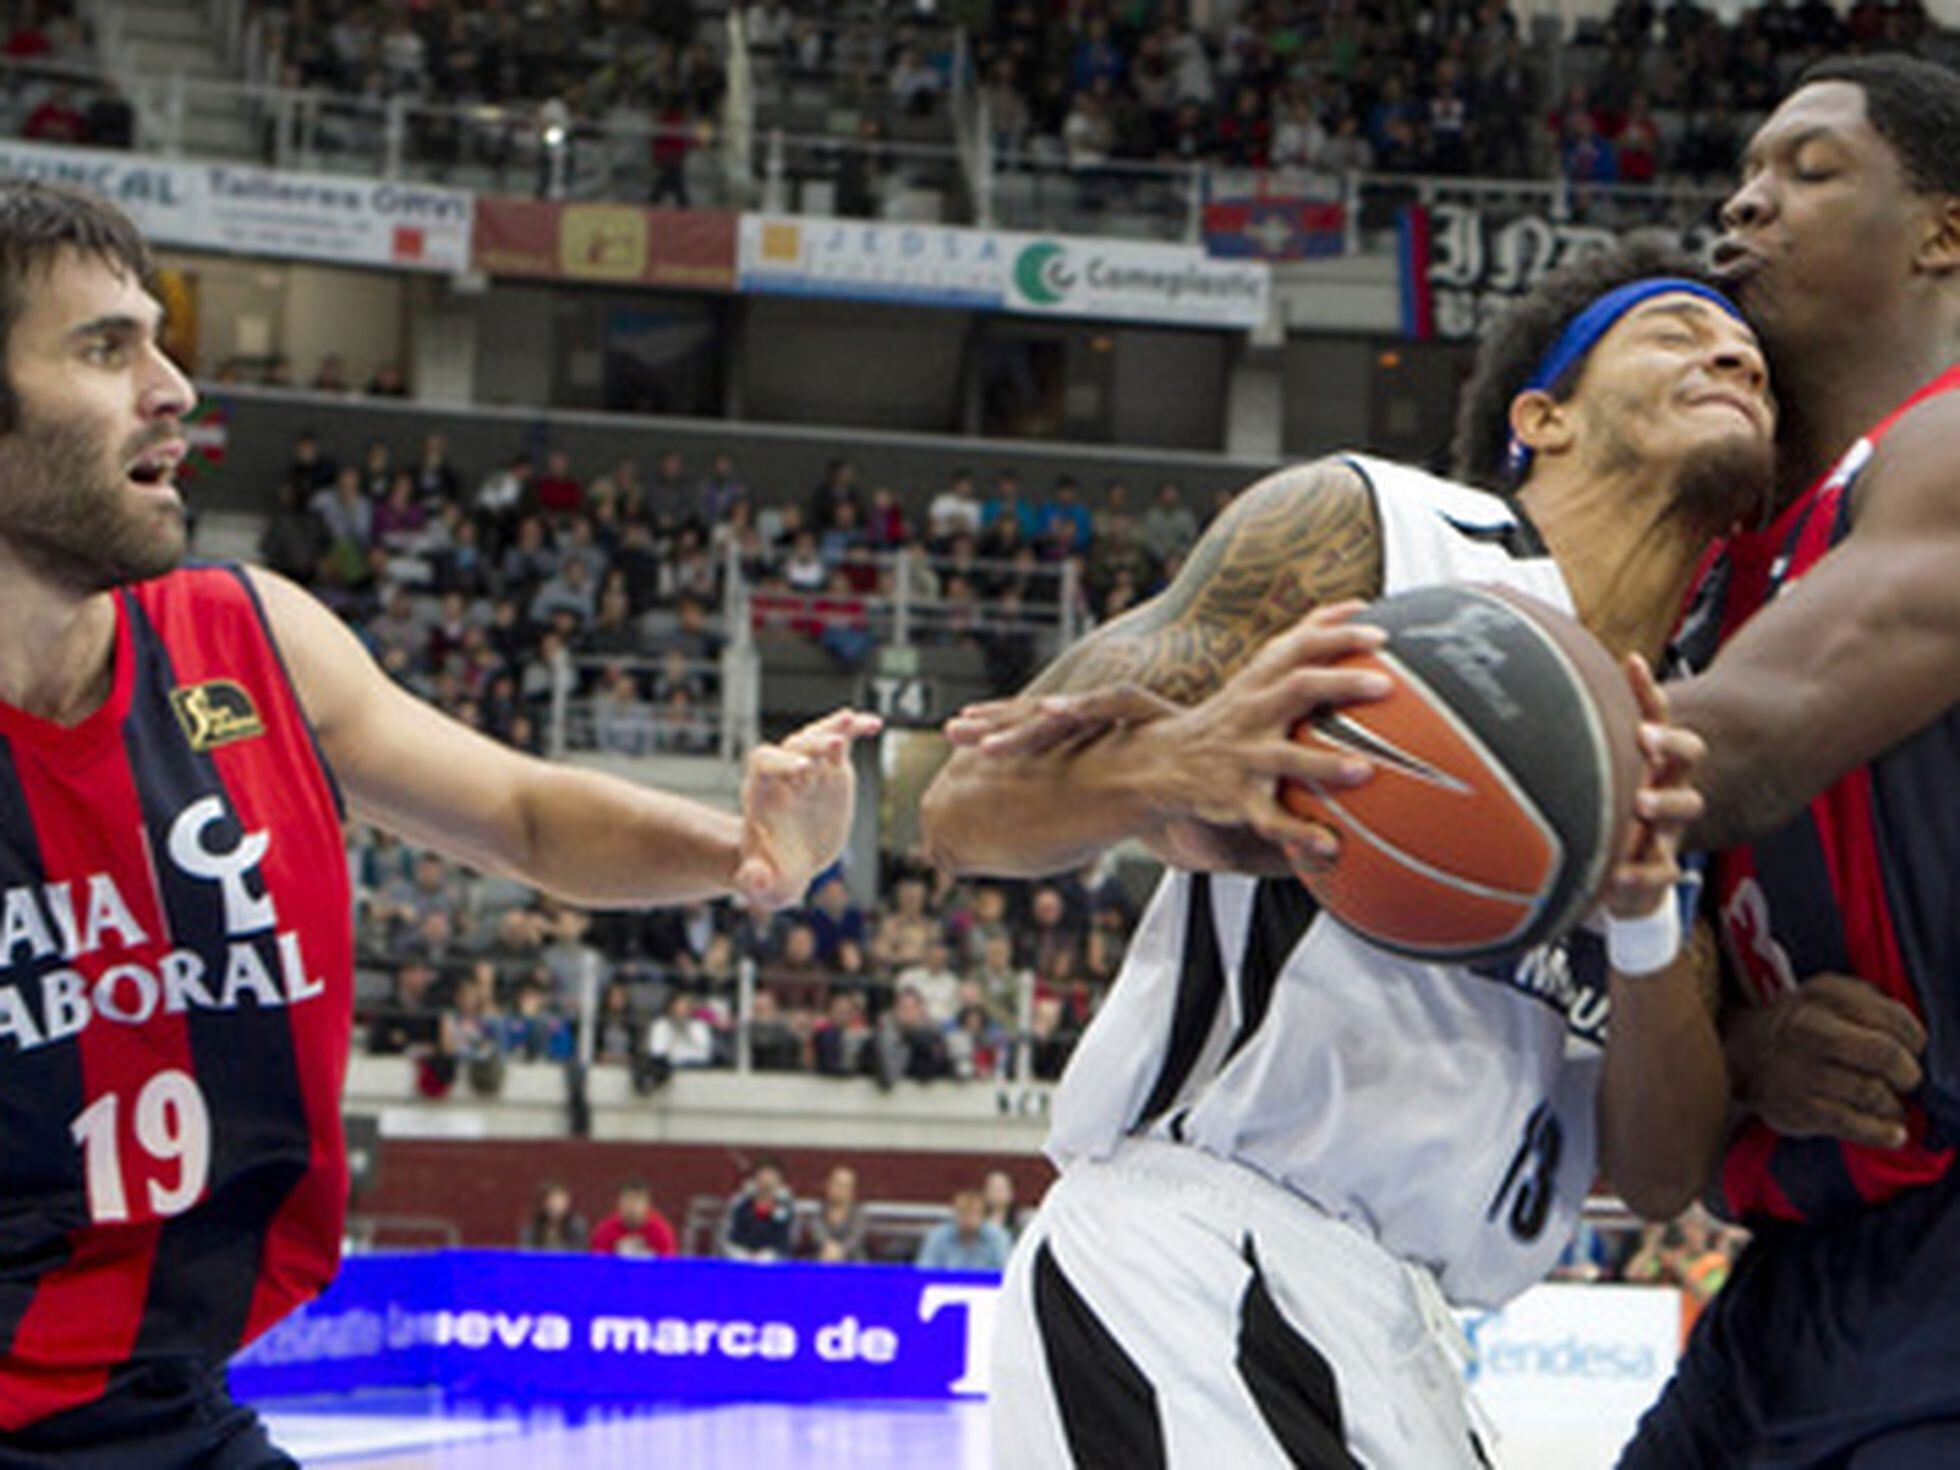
{"x": 1861, "y": 653}
{"x": 1298, "y": 540}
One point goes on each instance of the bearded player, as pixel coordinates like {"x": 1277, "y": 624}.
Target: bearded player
{"x": 175, "y": 933}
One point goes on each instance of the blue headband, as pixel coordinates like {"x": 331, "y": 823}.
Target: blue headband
{"x": 1583, "y": 332}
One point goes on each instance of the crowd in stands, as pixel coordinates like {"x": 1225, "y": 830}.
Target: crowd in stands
{"x": 765, "y": 1221}
{"x": 506, "y": 596}
{"x": 51, "y": 90}
{"x": 1651, "y": 91}
{"x": 1694, "y": 1253}
{"x": 275, "y": 370}
{"x": 1442, "y": 87}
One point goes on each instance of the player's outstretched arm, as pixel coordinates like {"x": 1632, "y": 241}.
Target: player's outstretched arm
{"x": 1291, "y": 543}
{"x": 1663, "y": 1102}
{"x": 583, "y": 836}
{"x": 1861, "y": 653}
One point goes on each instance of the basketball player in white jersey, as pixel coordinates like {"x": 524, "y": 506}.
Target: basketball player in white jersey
{"x": 1282, "y": 1150}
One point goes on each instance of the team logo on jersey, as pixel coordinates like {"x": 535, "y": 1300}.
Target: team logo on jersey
{"x": 216, "y": 713}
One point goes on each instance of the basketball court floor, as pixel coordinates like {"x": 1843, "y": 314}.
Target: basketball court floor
{"x": 417, "y": 1432}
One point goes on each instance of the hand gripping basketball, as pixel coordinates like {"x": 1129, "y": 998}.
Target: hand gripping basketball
{"x": 1506, "y": 765}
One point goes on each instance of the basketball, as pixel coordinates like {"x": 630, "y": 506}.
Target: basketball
{"x": 1505, "y": 767}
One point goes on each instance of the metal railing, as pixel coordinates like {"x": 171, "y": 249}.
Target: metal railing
{"x": 639, "y": 715}
{"x": 918, "y": 598}
{"x": 536, "y": 148}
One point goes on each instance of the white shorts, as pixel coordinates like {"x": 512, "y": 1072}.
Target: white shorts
{"x": 1170, "y": 1308}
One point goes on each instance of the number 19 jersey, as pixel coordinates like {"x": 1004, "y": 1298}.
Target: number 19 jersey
{"x": 1446, "y": 1112}
{"x": 175, "y": 1006}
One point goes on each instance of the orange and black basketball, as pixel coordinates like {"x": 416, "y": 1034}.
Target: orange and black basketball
{"x": 1505, "y": 767}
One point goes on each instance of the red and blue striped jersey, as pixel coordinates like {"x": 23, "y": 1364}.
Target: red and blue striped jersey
{"x": 176, "y": 955}
{"x": 1865, "y": 882}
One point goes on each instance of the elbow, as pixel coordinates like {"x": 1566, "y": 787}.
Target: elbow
{"x": 1661, "y": 1188}
{"x": 1659, "y": 1197}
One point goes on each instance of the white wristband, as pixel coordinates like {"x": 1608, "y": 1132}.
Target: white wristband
{"x": 1647, "y": 944}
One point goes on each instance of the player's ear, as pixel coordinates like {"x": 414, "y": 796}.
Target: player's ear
{"x": 1540, "y": 422}
{"x": 1939, "y": 244}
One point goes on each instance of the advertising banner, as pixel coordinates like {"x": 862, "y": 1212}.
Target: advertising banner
{"x": 622, "y": 244}
{"x": 1129, "y": 280}
{"x": 1461, "y": 265}
{"x": 872, "y": 260}
{"x": 1566, "y": 1371}
{"x": 595, "y": 1327}
{"x": 1562, "y": 1374}
{"x": 987, "y": 270}
{"x": 340, "y": 218}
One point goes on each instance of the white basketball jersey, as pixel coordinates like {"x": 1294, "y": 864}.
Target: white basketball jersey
{"x": 1446, "y": 1111}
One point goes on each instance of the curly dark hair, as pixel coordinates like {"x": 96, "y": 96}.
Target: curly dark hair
{"x": 39, "y": 222}
{"x": 1526, "y": 332}
{"x": 1914, "y": 105}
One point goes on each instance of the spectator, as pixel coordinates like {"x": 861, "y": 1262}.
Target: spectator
{"x": 968, "y": 1241}
{"x": 331, "y": 375}
{"x": 1002, "y": 982}
{"x": 841, "y": 1042}
{"x": 955, "y": 509}
{"x": 795, "y": 974}
{"x": 619, "y": 1030}
{"x": 908, "y": 1045}
{"x": 110, "y": 122}
{"x": 834, "y": 919}
{"x": 1587, "y": 158}
{"x": 837, "y": 1231}
{"x": 997, "y": 1195}
{"x": 761, "y": 1221}
{"x": 635, "y": 1228}
{"x": 935, "y": 980}
{"x": 976, "y": 1046}
{"x": 681, "y": 1036}
{"x": 622, "y": 721}
{"x": 838, "y": 487}
{"x": 387, "y": 381}
{"x": 554, "y": 1224}
{"x": 532, "y": 1031}
{"x": 57, "y": 119}
{"x": 558, "y": 491}
{"x": 435, "y": 477}
{"x": 1168, "y": 527}
{"x": 774, "y": 1045}
{"x": 570, "y": 589}
{"x": 295, "y": 539}
{"x": 716, "y": 496}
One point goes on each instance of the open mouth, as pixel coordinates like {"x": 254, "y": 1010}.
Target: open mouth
{"x": 156, "y": 467}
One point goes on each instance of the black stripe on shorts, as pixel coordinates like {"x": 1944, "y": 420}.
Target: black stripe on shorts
{"x": 1289, "y": 1380}
{"x": 1108, "y": 1408}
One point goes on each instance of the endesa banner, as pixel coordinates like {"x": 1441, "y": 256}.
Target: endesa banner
{"x": 621, "y": 244}
{"x": 341, "y": 218}
{"x": 992, "y": 270}
{"x": 1565, "y": 1372}
{"x": 593, "y": 1327}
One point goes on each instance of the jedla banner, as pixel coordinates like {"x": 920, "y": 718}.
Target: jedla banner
{"x": 344, "y": 219}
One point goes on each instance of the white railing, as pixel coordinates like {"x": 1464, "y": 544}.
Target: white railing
{"x": 514, "y": 148}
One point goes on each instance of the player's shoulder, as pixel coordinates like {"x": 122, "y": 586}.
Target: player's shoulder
{"x": 1909, "y": 481}
{"x": 1401, "y": 486}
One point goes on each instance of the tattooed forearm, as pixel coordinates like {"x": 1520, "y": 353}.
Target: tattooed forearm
{"x": 1288, "y": 544}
